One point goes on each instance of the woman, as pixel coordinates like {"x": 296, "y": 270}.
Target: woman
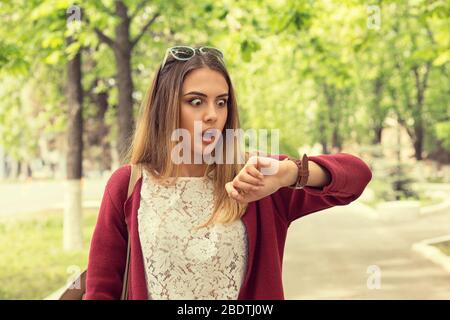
{"x": 202, "y": 230}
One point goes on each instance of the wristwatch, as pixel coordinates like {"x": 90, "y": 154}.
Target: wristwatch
{"x": 303, "y": 171}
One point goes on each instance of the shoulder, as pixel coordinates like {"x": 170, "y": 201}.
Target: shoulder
{"x": 117, "y": 184}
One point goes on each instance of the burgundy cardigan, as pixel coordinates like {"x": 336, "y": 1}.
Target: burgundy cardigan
{"x": 266, "y": 221}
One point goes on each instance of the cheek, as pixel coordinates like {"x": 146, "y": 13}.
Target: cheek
{"x": 186, "y": 118}
{"x": 223, "y": 113}
{"x": 223, "y": 116}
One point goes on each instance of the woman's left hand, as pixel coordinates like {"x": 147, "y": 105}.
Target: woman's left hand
{"x": 251, "y": 184}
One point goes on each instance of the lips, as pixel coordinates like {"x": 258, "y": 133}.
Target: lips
{"x": 208, "y": 135}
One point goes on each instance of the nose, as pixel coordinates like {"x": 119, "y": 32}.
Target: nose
{"x": 211, "y": 114}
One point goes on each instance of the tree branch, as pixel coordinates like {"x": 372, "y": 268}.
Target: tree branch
{"x": 104, "y": 38}
{"x": 418, "y": 82}
{"x": 144, "y": 29}
{"x": 402, "y": 121}
{"x": 138, "y": 8}
{"x": 421, "y": 84}
{"x": 425, "y": 76}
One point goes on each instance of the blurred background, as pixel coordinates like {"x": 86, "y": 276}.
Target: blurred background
{"x": 370, "y": 78}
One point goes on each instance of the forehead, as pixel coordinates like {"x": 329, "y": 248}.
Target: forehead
{"x": 206, "y": 81}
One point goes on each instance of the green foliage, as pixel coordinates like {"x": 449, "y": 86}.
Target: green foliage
{"x": 33, "y": 264}
{"x": 443, "y": 132}
{"x": 315, "y": 70}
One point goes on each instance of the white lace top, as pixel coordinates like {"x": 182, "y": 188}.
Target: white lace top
{"x": 181, "y": 263}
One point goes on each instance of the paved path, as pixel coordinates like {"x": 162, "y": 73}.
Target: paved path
{"x": 328, "y": 253}
{"x": 22, "y": 197}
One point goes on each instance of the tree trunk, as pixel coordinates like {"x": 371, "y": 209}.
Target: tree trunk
{"x": 421, "y": 86}
{"x": 122, "y": 47}
{"x": 125, "y": 87}
{"x": 378, "y": 112}
{"x": 324, "y": 147}
{"x": 105, "y": 161}
{"x": 378, "y": 133}
{"x": 19, "y": 169}
{"x": 418, "y": 141}
{"x": 323, "y": 135}
{"x": 73, "y": 238}
{"x": 29, "y": 171}
{"x": 330, "y": 97}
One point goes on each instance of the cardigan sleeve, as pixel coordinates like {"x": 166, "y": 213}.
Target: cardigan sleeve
{"x": 108, "y": 249}
{"x": 349, "y": 177}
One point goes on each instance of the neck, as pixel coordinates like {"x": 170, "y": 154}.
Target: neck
{"x": 192, "y": 170}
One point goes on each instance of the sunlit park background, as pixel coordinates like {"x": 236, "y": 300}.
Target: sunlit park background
{"x": 370, "y": 78}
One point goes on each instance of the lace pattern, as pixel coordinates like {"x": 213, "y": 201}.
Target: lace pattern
{"x": 182, "y": 263}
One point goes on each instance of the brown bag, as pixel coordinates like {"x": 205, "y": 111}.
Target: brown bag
{"x": 77, "y": 289}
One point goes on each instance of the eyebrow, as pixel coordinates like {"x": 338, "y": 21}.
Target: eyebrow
{"x": 204, "y": 95}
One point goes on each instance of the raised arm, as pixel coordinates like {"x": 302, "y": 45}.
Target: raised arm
{"x": 335, "y": 180}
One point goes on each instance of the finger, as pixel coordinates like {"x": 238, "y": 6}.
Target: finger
{"x": 253, "y": 160}
{"x": 255, "y": 172}
{"x": 237, "y": 183}
{"x": 258, "y": 162}
{"x": 232, "y": 192}
{"x": 247, "y": 177}
{"x": 244, "y": 186}
{"x": 264, "y": 162}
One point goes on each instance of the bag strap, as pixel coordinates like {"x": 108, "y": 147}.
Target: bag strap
{"x": 136, "y": 172}
{"x": 134, "y": 177}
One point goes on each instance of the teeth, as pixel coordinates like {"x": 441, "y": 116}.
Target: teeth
{"x": 208, "y": 135}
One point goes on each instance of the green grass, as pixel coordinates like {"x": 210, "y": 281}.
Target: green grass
{"x": 33, "y": 263}
{"x": 428, "y": 201}
{"x": 444, "y": 247}
{"x": 379, "y": 187}
{"x": 435, "y": 179}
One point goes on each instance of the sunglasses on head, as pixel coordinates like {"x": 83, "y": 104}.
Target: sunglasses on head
{"x": 184, "y": 53}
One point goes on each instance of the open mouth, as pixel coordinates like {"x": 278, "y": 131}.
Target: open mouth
{"x": 208, "y": 135}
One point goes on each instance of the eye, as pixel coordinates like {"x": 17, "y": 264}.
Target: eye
{"x": 195, "y": 101}
{"x": 224, "y": 102}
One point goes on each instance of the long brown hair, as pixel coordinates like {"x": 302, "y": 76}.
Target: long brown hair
{"x": 159, "y": 115}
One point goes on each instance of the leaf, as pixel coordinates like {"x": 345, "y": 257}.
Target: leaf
{"x": 53, "y": 58}
{"x": 247, "y": 48}
{"x": 442, "y": 59}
